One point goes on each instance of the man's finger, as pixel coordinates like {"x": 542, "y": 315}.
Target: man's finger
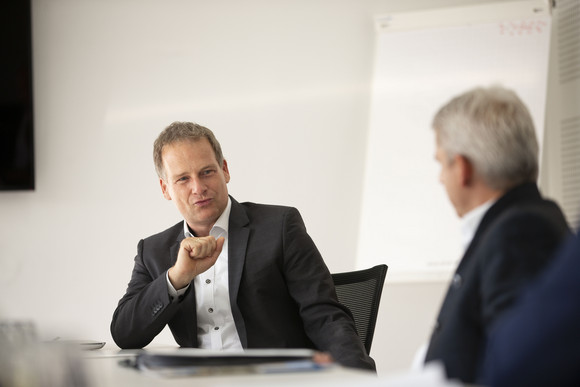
{"x": 218, "y": 249}
{"x": 220, "y": 244}
{"x": 199, "y": 247}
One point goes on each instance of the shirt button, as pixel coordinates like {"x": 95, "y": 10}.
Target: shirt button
{"x": 216, "y": 328}
{"x": 210, "y": 310}
{"x": 208, "y": 281}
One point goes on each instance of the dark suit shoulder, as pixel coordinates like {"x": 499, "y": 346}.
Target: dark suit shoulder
{"x": 266, "y": 208}
{"x": 166, "y": 237}
{"x": 527, "y": 232}
{"x": 542, "y": 218}
{"x": 260, "y": 214}
{"x": 522, "y": 211}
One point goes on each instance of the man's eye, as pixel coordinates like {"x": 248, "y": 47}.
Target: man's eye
{"x": 182, "y": 179}
{"x": 207, "y": 172}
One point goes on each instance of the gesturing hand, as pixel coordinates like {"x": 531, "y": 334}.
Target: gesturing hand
{"x": 195, "y": 256}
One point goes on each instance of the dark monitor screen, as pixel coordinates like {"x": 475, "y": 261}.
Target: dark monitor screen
{"x": 16, "y": 110}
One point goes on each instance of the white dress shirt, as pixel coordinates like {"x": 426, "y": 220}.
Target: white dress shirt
{"x": 470, "y": 222}
{"x": 216, "y": 328}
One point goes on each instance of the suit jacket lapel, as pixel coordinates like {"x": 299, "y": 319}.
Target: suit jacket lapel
{"x": 238, "y": 235}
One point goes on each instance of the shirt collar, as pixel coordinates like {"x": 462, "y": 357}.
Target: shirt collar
{"x": 222, "y": 223}
{"x": 471, "y": 220}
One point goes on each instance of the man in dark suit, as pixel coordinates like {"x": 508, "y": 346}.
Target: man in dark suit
{"x": 537, "y": 343}
{"x": 486, "y": 145}
{"x": 231, "y": 275}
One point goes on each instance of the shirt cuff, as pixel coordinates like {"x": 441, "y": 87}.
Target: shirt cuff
{"x": 174, "y": 294}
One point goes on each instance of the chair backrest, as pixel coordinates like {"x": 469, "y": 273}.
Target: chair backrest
{"x": 360, "y": 291}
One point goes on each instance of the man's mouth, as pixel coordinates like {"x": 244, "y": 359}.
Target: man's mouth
{"x": 203, "y": 202}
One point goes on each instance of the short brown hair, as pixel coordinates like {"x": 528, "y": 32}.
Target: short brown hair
{"x": 182, "y": 131}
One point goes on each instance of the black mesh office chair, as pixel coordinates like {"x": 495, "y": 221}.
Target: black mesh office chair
{"x": 360, "y": 291}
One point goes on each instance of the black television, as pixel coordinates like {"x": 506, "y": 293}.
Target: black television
{"x": 16, "y": 99}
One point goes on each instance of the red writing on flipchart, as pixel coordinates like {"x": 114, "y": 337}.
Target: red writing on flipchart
{"x": 524, "y": 27}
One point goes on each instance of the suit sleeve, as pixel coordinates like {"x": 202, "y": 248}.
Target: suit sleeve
{"x": 145, "y": 308}
{"x": 328, "y": 324}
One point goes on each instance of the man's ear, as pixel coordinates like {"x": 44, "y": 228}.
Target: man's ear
{"x": 465, "y": 170}
{"x": 164, "y": 189}
{"x": 226, "y": 171}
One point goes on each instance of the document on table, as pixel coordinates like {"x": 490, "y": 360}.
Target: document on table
{"x": 199, "y": 362}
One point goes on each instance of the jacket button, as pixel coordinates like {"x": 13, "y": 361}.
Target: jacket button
{"x": 457, "y": 281}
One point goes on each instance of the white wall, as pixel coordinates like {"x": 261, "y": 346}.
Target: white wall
{"x": 283, "y": 84}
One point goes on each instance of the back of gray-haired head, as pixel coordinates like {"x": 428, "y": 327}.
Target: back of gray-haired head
{"x": 494, "y": 130}
{"x": 183, "y": 131}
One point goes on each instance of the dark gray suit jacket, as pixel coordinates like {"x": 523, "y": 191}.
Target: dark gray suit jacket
{"x": 281, "y": 292}
{"x": 513, "y": 243}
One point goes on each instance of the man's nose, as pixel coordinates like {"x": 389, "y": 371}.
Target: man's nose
{"x": 198, "y": 186}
